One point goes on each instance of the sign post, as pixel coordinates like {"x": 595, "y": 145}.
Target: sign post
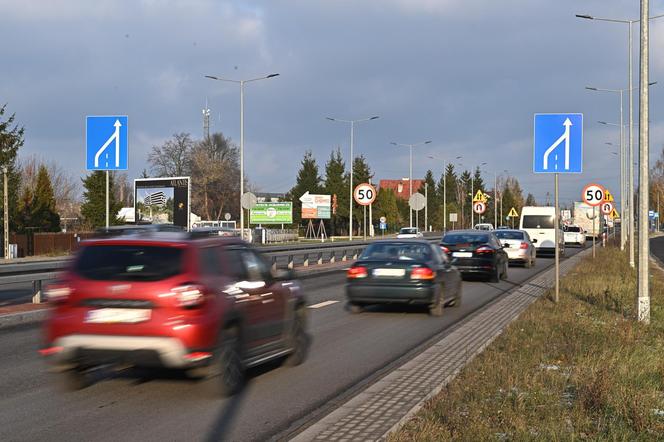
{"x": 106, "y": 146}
{"x": 417, "y": 202}
{"x": 558, "y": 148}
{"x": 364, "y": 194}
{"x": 593, "y": 195}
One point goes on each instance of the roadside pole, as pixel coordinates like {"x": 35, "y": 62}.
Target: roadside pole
{"x": 371, "y": 230}
{"x": 557, "y": 237}
{"x": 426, "y": 208}
{"x": 107, "y": 208}
{"x": 364, "y": 223}
{"x": 594, "y": 231}
{"x": 6, "y": 213}
{"x": 444, "y": 198}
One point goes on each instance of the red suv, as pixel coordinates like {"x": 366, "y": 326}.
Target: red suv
{"x": 211, "y": 306}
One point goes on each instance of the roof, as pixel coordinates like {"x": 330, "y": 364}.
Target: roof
{"x": 401, "y": 186}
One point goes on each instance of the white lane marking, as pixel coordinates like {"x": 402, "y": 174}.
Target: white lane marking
{"x": 322, "y": 304}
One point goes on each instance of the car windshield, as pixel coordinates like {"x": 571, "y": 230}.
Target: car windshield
{"x": 463, "y": 238}
{"x": 538, "y": 221}
{"x": 483, "y": 227}
{"x": 408, "y": 231}
{"x": 509, "y": 234}
{"x": 573, "y": 229}
{"x": 397, "y": 251}
{"x": 129, "y": 262}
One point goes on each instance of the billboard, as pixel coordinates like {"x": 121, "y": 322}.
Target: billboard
{"x": 271, "y": 213}
{"x": 162, "y": 201}
{"x": 316, "y": 206}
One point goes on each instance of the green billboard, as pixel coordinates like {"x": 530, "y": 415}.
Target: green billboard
{"x": 271, "y": 213}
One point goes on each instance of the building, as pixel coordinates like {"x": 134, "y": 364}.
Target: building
{"x": 401, "y": 187}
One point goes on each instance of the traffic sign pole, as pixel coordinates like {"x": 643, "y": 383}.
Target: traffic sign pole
{"x": 557, "y": 237}
{"x": 107, "y": 205}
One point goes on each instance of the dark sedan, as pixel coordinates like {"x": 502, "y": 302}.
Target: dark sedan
{"x": 476, "y": 252}
{"x": 406, "y": 272}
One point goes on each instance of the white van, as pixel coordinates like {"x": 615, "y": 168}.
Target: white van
{"x": 540, "y": 223}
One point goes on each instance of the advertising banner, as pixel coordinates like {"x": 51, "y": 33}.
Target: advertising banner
{"x": 271, "y": 213}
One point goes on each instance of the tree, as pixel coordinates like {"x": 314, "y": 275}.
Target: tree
{"x": 172, "y": 157}
{"x": 11, "y": 140}
{"x": 124, "y": 192}
{"x": 386, "y": 205}
{"x": 361, "y": 174}
{"x": 433, "y": 201}
{"x": 530, "y": 200}
{"x": 465, "y": 197}
{"x": 215, "y": 173}
{"x": 336, "y": 183}
{"x": 93, "y": 208}
{"x": 37, "y": 210}
{"x": 65, "y": 187}
{"x": 308, "y": 180}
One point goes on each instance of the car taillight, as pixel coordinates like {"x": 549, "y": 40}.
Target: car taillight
{"x": 444, "y": 249}
{"x": 357, "y": 272}
{"x": 422, "y": 273}
{"x": 484, "y": 250}
{"x": 524, "y": 245}
{"x": 190, "y": 295}
{"x": 57, "y": 292}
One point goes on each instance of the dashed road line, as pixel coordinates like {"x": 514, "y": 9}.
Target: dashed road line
{"x": 322, "y": 304}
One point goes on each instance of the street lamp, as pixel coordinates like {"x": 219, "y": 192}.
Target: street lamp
{"x": 630, "y": 161}
{"x": 410, "y": 179}
{"x": 352, "y": 160}
{"x": 241, "y": 83}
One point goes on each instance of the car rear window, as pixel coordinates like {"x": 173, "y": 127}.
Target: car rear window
{"x": 509, "y": 235}
{"x": 573, "y": 229}
{"x": 538, "y": 221}
{"x": 463, "y": 238}
{"x": 410, "y": 231}
{"x": 397, "y": 251}
{"x": 129, "y": 262}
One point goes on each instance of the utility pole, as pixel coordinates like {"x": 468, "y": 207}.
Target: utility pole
{"x": 444, "y": 198}
{"x": 495, "y": 201}
{"x": 643, "y": 285}
{"x": 206, "y": 121}
{"x": 6, "y": 212}
{"x": 426, "y": 207}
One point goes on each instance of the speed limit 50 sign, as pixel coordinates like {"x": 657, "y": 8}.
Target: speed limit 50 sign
{"x": 364, "y": 194}
{"x": 593, "y": 194}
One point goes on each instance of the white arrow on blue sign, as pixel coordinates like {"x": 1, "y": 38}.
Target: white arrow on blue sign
{"x": 558, "y": 143}
{"x": 106, "y": 142}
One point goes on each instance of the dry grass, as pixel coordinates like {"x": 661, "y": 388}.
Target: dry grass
{"x": 581, "y": 369}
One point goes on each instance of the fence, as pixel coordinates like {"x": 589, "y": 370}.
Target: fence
{"x": 31, "y": 244}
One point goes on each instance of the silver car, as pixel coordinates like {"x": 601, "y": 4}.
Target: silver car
{"x": 519, "y": 247}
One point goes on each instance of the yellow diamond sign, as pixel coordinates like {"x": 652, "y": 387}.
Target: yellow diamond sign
{"x": 608, "y": 196}
{"x": 479, "y": 196}
{"x": 615, "y": 214}
{"x": 513, "y": 213}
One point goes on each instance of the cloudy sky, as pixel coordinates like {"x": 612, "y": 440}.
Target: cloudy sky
{"x": 467, "y": 74}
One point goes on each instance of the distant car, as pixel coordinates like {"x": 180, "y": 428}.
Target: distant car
{"x": 518, "y": 246}
{"x": 214, "y": 231}
{"x": 503, "y": 227}
{"x": 540, "y": 224}
{"x": 209, "y": 306}
{"x": 483, "y": 226}
{"x": 574, "y": 235}
{"x": 136, "y": 229}
{"x": 403, "y": 272}
{"x": 476, "y": 252}
{"x": 409, "y": 233}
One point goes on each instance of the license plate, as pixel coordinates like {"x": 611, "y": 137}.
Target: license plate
{"x": 117, "y": 315}
{"x": 389, "y": 272}
{"x": 462, "y": 254}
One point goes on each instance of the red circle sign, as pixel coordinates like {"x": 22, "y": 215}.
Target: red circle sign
{"x": 364, "y": 194}
{"x": 593, "y": 195}
{"x": 606, "y": 207}
{"x": 479, "y": 207}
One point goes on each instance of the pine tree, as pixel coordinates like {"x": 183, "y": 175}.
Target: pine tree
{"x": 433, "y": 201}
{"x": 530, "y": 200}
{"x": 465, "y": 197}
{"x": 93, "y": 208}
{"x": 308, "y": 180}
{"x": 336, "y": 183}
{"x": 43, "y": 213}
{"x": 11, "y": 140}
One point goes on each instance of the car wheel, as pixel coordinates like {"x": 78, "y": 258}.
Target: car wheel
{"x": 355, "y": 308}
{"x": 228, "y": 370}
{"x": 528, "y": 263}
{"x": 456, "y": 302}
{"x": 299, "y": 341}
{"x": 436, "y": 309}
{"x": 495, "y": 276}
{"x": 75, "y": 379}
{"x": 504, "y": 274}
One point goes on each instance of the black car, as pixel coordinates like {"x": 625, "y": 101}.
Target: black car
{"x": 406, "y": 272}
{"x": 476, "y": 252}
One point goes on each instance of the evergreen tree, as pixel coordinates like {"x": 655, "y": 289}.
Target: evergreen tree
{"x": 308, "y": 180}
{"x": 93, "y": 208}
{"x": 478, "y": 181}
{"x": 11, "y": 140}
{"x": 336, "y": 183}
{"x": 530, "y": 200}
{"x": 464, "y": 195}
{"x": 361, "y": 174}
{"x": 433, "y": 200}
{"x": 386, "y": 205}
{"x": 42, "y": 212}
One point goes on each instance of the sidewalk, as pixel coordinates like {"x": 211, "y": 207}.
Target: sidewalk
{"x": 387, "y": 404}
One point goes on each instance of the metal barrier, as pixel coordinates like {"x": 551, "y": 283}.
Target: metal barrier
{"x": 280, "y": 235}
{"x": 289, "y": 257}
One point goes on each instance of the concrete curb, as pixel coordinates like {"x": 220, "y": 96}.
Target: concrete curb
{"x": 22, "y": 318}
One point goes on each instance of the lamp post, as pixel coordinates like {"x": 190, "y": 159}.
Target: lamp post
{"x": 352, "y": 160}
{"x": 410, "y": 176}
{"x": 5, "y": 199}
{"x": 241, "y": 83}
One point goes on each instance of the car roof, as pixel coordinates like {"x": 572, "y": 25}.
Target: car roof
{"x": 510, "y": 230}
{"x": 401, "y": 241}
{"x": 164, "y": 238}
{"x": 473, "y": 231}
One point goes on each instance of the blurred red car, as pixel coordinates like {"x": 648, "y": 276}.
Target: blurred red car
{"x": 211, "y": 306}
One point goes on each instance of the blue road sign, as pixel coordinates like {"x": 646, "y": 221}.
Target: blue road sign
{"x": 558, "y": 143}
{"x": 383, "y": 226}
{"x": 106, "y": 143}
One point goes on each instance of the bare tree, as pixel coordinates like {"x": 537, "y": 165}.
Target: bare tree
{"x": 123, "y": 189}
{"x": 66, "y": 188}
{"x": 173, "y": 157}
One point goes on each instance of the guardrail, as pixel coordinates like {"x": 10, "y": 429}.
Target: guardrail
{"x": 286, "y": 256}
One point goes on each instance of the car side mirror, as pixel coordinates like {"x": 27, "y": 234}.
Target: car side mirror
{"x": 506, "y": 245}
{"x": 534, "y": 240}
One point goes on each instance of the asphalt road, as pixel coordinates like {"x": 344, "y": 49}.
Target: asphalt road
{"x": 347, "y": 351}
{"x": 657, "y": 247}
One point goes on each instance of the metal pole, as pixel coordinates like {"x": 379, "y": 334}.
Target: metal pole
{"x": 350, "y": 202}
{"x": 410, "y": 182}
{"x": 643, "y": 285}
{"x": 426, "y": 207}
{"x": 632, "y": 211}
{"x": 495, "y": 201}
{"x": 623, "y": 182}
{"x": 241, "y": 157}
{"x": 6, "y": 212}
{"x": 472, "y": 195}
{"x": 444, "y": 197}
{"x": 594, "y": 230}
{"x": 364, "y": 223}
{"x": 107, "y": 205}
{"x": 370, "y": 217}
{"x": 557, "y": 238}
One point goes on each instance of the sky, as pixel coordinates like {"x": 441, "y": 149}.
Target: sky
{"x": 466, "y": 74}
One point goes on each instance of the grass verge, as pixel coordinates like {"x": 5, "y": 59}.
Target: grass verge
{"x": 578, "y": 370}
